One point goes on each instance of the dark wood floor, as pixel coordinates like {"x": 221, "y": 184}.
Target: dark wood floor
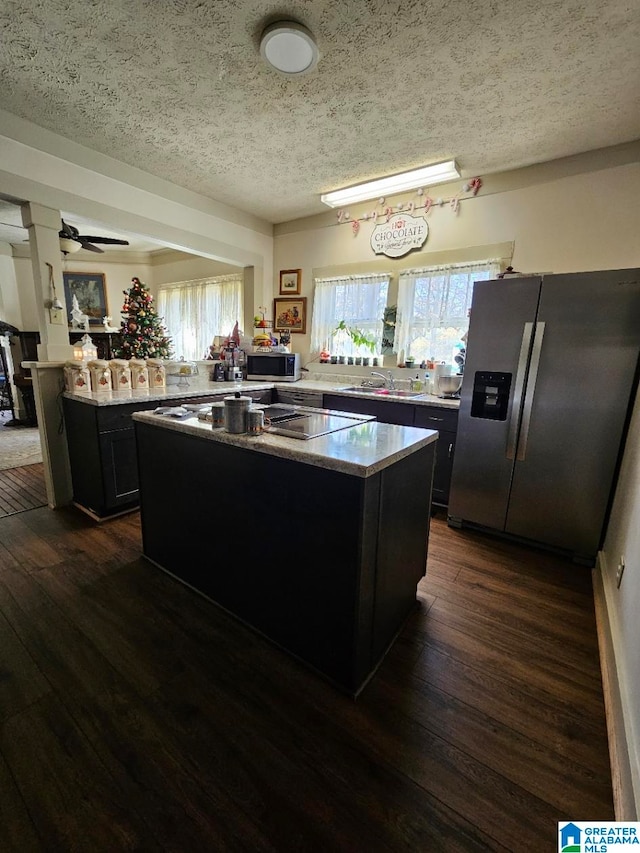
{"x": 22, "y": 489}
{"x": 136, "y": 716}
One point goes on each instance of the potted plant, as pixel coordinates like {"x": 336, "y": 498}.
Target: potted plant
{"x": 361, "y": 340}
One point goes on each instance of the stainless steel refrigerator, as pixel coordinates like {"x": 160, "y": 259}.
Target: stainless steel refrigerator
{"x": 550, "y": 377}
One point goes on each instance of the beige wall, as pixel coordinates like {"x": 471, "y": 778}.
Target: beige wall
{"x": 580, "y": 222}
{"x": 117, "y": 279}
{"x": 171, "y": 266}
{"x": 623, "y": 604}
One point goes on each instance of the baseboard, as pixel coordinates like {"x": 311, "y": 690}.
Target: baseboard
{"x": 621, "y": 777}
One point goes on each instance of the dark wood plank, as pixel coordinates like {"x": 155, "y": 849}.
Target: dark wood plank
{"x": 137, "y": 715}
{"x": 17, "y": 833}
{"x": 21, "y": 682}
{"x": 32, "y": 551}
{"x": 22, "y": 489}
{"x": 72, "y": 802}
{"x": 30, "y": 481}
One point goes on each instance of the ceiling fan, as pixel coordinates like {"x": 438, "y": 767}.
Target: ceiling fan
{"x": 72, "y": 241}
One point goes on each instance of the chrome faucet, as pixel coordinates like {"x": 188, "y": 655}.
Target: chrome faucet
{"x": 388, "y": 378}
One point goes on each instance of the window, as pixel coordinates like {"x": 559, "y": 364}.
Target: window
{"x": 194, "y": 312}
{"x": 433, "y": 308}
{"x": 359, "y": 300}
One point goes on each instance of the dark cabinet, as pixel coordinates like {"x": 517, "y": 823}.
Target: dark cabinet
{"x": 386, "y": 412}
{"x": 294, "y": 397}
{"x": 24, "y": 346}
{"x": 258, "y": 396}
{"x": 103, "y": 453}
{"x": 341, "y": 604}
{"x": 446, "y": 422}
{"x": 119, "y": 466}
{"x": 405, "y": 414}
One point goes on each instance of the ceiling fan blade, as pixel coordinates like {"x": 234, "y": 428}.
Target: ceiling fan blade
{"x": 68, "y": 231}
{"x": 89, "y": 246}
{"x": 106, "y": 240}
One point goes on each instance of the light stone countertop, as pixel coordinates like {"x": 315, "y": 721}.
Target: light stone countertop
{"x": 360, "y": 451}
{"x": 168, "y": 394}
{"x": 206, "y": 388}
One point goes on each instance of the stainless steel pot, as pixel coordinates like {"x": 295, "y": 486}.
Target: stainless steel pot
{"x": 449, "y": 385}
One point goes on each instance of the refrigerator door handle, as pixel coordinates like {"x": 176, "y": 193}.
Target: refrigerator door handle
{"x": 516, "y": 403}
{"x": 531, "y": 390}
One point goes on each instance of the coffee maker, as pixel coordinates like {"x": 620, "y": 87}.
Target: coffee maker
{"x": 233, "y": 360}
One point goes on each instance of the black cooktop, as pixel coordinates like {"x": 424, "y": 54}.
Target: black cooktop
{"x": 305, "y": 423}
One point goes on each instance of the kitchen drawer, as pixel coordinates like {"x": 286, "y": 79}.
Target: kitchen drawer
{"x": 299, "y": 398}
{"x": 260, "y": 396}
{"x": 434, "y": 417}
{"x": 119, "y": 416}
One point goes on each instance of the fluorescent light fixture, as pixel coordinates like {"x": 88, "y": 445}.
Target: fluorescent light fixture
{"x": 427, "y": 175}
{"x": 289, "y": 48}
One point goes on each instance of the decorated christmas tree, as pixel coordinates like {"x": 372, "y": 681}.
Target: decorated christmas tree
{"x": 143, "y": 335}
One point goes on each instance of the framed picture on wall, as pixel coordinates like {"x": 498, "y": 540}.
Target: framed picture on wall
{"x": 290, "y": 315}
{"x": 90, "y": 289}
{"x": 290, "y": 281}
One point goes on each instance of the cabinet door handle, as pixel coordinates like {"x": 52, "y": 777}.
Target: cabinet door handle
{"x": 435, "y": 419}
{"x": 450, "y": 450}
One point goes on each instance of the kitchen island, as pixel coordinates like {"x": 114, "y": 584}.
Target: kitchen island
{"x": 318, "y": 545}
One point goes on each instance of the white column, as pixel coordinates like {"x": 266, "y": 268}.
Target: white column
{"x": 43, "y": 224}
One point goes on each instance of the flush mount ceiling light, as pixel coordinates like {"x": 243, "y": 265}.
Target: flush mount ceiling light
{"x": 289, "y": 48}
{"x": 436, "y": 174}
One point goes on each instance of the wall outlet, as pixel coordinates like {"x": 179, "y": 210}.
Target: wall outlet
{"x": 620, "y": 572}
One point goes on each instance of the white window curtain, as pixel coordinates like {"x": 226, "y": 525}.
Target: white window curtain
{"x": 433, "y": 308}
{"x": 359, "y": 300}
{"x": 195, "y": 312}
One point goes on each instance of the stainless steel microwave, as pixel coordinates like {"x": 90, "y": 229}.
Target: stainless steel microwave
{"x": 273, "y": 366}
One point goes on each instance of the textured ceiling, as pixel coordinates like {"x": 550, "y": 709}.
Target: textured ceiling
{"x": 177, "y": 88}
{"x": 12, "y": 231}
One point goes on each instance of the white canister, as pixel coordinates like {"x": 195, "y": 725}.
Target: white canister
{"x": 77, "y": 379}
{"x": 157, "y": 373}
{"x": 139, "y": 374}
{"x": 100, "y": 375}
{"x": 120, "y": 374}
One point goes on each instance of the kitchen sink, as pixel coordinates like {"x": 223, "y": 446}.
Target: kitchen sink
{"x": 384, "y": 392}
